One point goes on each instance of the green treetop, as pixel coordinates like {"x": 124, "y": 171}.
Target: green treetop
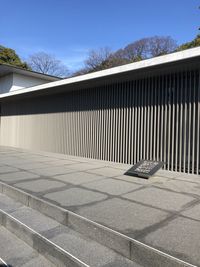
{"x": 9, "y": 56}
{"x": 193, "y": 43}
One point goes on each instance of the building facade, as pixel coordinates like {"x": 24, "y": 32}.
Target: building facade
{"x": 144, "y": 110}
{"x": 14, "y": 78}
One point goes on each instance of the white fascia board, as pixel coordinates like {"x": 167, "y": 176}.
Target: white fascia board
{"x": 170, "y": 58}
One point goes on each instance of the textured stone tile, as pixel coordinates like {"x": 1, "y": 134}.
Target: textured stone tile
{"x": 160, "y": 198}
{"x": 121, "y": 166}
{"x": 179, "y": 237}
{"x": 60, "y": 162}
{"x": 158, "y": 179}
{"x": 98, "y": 256}
{"x": 40, "y": 185}
{"x": 181, "y": 186}
{"x": 52, "y": 171}
{"x": 6, "y": 169}
{"x": 83, "y": 166}
{"x": 34, "y": 219}
{"x": 189, "y": 177}
{"x": 112, "y": 186}
{"x": 133, "y": 179}
{"x": 7, "y": 204}
{"x": 75, "y": 196}
{"x": 77, "y": 178}
{"x": 193, "y": 212}
{"x": 17, "y": 176}
{"x": 167, "y": 174}
{"x": 18, "y": 162}
{"x": 17, "y": 253}
{"x": 32, "y": 165}
{"x": 107, "y": 171}
{"x": 123, "y": 215}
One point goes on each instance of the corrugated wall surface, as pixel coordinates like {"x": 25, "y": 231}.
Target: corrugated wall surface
{"x": 149, "y": 118}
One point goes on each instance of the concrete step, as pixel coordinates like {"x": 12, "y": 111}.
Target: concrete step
{"x": 76, "y": 235}
{"x": 58, "y": 243}
{"x": 16, "y": 253}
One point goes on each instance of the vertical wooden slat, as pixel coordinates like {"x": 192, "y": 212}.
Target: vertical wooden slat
{"x": 193, "y": 119}
{"x": 159, "y": 103}
{"x": 181, "y": 123}
{"x": 177, "y": 104}
{"x": 198, "y": 125}
{"x": 169, "y": 100}
{"x": 165, "y": 120}
{"x": 148, "y": 118}
{"x": 138, "y": 120}
{"x": 162, "y": 92}
{"x": 189, "y": 121}
{"x": 142, "y": 119}
{"x": 145, "y": 116}
{"x": 155, "y": 122}
{"x": 151, "y": 119}
{"x": 185, "y": 123}
{"x": 173, "y": 90}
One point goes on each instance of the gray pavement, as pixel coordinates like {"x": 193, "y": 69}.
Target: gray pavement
{"x": 19, "y": 253}
{"x": 57, "y": 242}
{"x": 163, "y": 212}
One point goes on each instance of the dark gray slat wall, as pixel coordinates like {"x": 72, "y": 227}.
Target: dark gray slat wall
{"x": 151, "y": 118}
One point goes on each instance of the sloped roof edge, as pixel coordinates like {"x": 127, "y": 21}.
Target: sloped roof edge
{"x": 148, "y": 63}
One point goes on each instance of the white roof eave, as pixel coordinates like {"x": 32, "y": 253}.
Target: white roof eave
{"x": 170, "y": 58}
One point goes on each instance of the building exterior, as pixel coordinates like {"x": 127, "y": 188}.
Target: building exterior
{"x": 14, "y": 78}
{"x": 144, "y": 110}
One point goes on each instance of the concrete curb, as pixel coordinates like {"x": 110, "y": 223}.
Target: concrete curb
{"x": 130, "y": 248}
{"x": 41, "y": 244}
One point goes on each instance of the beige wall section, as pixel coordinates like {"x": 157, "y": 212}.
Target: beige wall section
{"x": 151, "y": 118}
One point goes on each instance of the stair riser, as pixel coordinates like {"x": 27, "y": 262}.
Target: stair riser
{"x": 49, "y": 250}
{"x": 103, "y": 235}
{"x": 129, "y": 248}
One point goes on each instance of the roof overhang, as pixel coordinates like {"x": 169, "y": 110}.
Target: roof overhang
{"x": 190, "y": 56}
{"x": 6, "y": 69}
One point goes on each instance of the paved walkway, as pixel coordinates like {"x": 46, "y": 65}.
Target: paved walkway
{"x": 163, "y": 211}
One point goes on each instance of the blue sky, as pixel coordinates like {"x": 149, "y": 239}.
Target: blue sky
{"x": 69, "y": 29}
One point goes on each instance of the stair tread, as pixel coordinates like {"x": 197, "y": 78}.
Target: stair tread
{"x": 80, "y": 246}
{"x": 19, "y": 253}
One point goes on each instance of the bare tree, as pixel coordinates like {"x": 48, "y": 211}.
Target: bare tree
{"x": 147, "y": 48}
{"x": 97, "y": 58}
{"x": 104, "y": 58}
{"x": 47, "y": 64}
{"x": 161, "y": 45}
{"x": 135, "y": 51}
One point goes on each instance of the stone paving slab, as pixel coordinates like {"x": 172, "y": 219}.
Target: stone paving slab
{"x": 32, "y": 165}
{"x": 17, "y": 176}
{"x": 5, "y": 169}
{"x": 60, "y": 162}
{"x": 123, "y": 215}
{"x": 193, "y": 212}
{"x": 79, "y": 178}
{"x": 51, "y": 171}
{"x": 84, "y": 166}
{"x": 181, "y": 186}
{"x": 107, "y": 171}
{"x": 153, "y": 210}
{"x": 112, "y": 186}
{"x": 75, "y": 197}
{"x": 160, "y": 198}
{"x": 40, "y": 185}
{"x": 180, "y": 237}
